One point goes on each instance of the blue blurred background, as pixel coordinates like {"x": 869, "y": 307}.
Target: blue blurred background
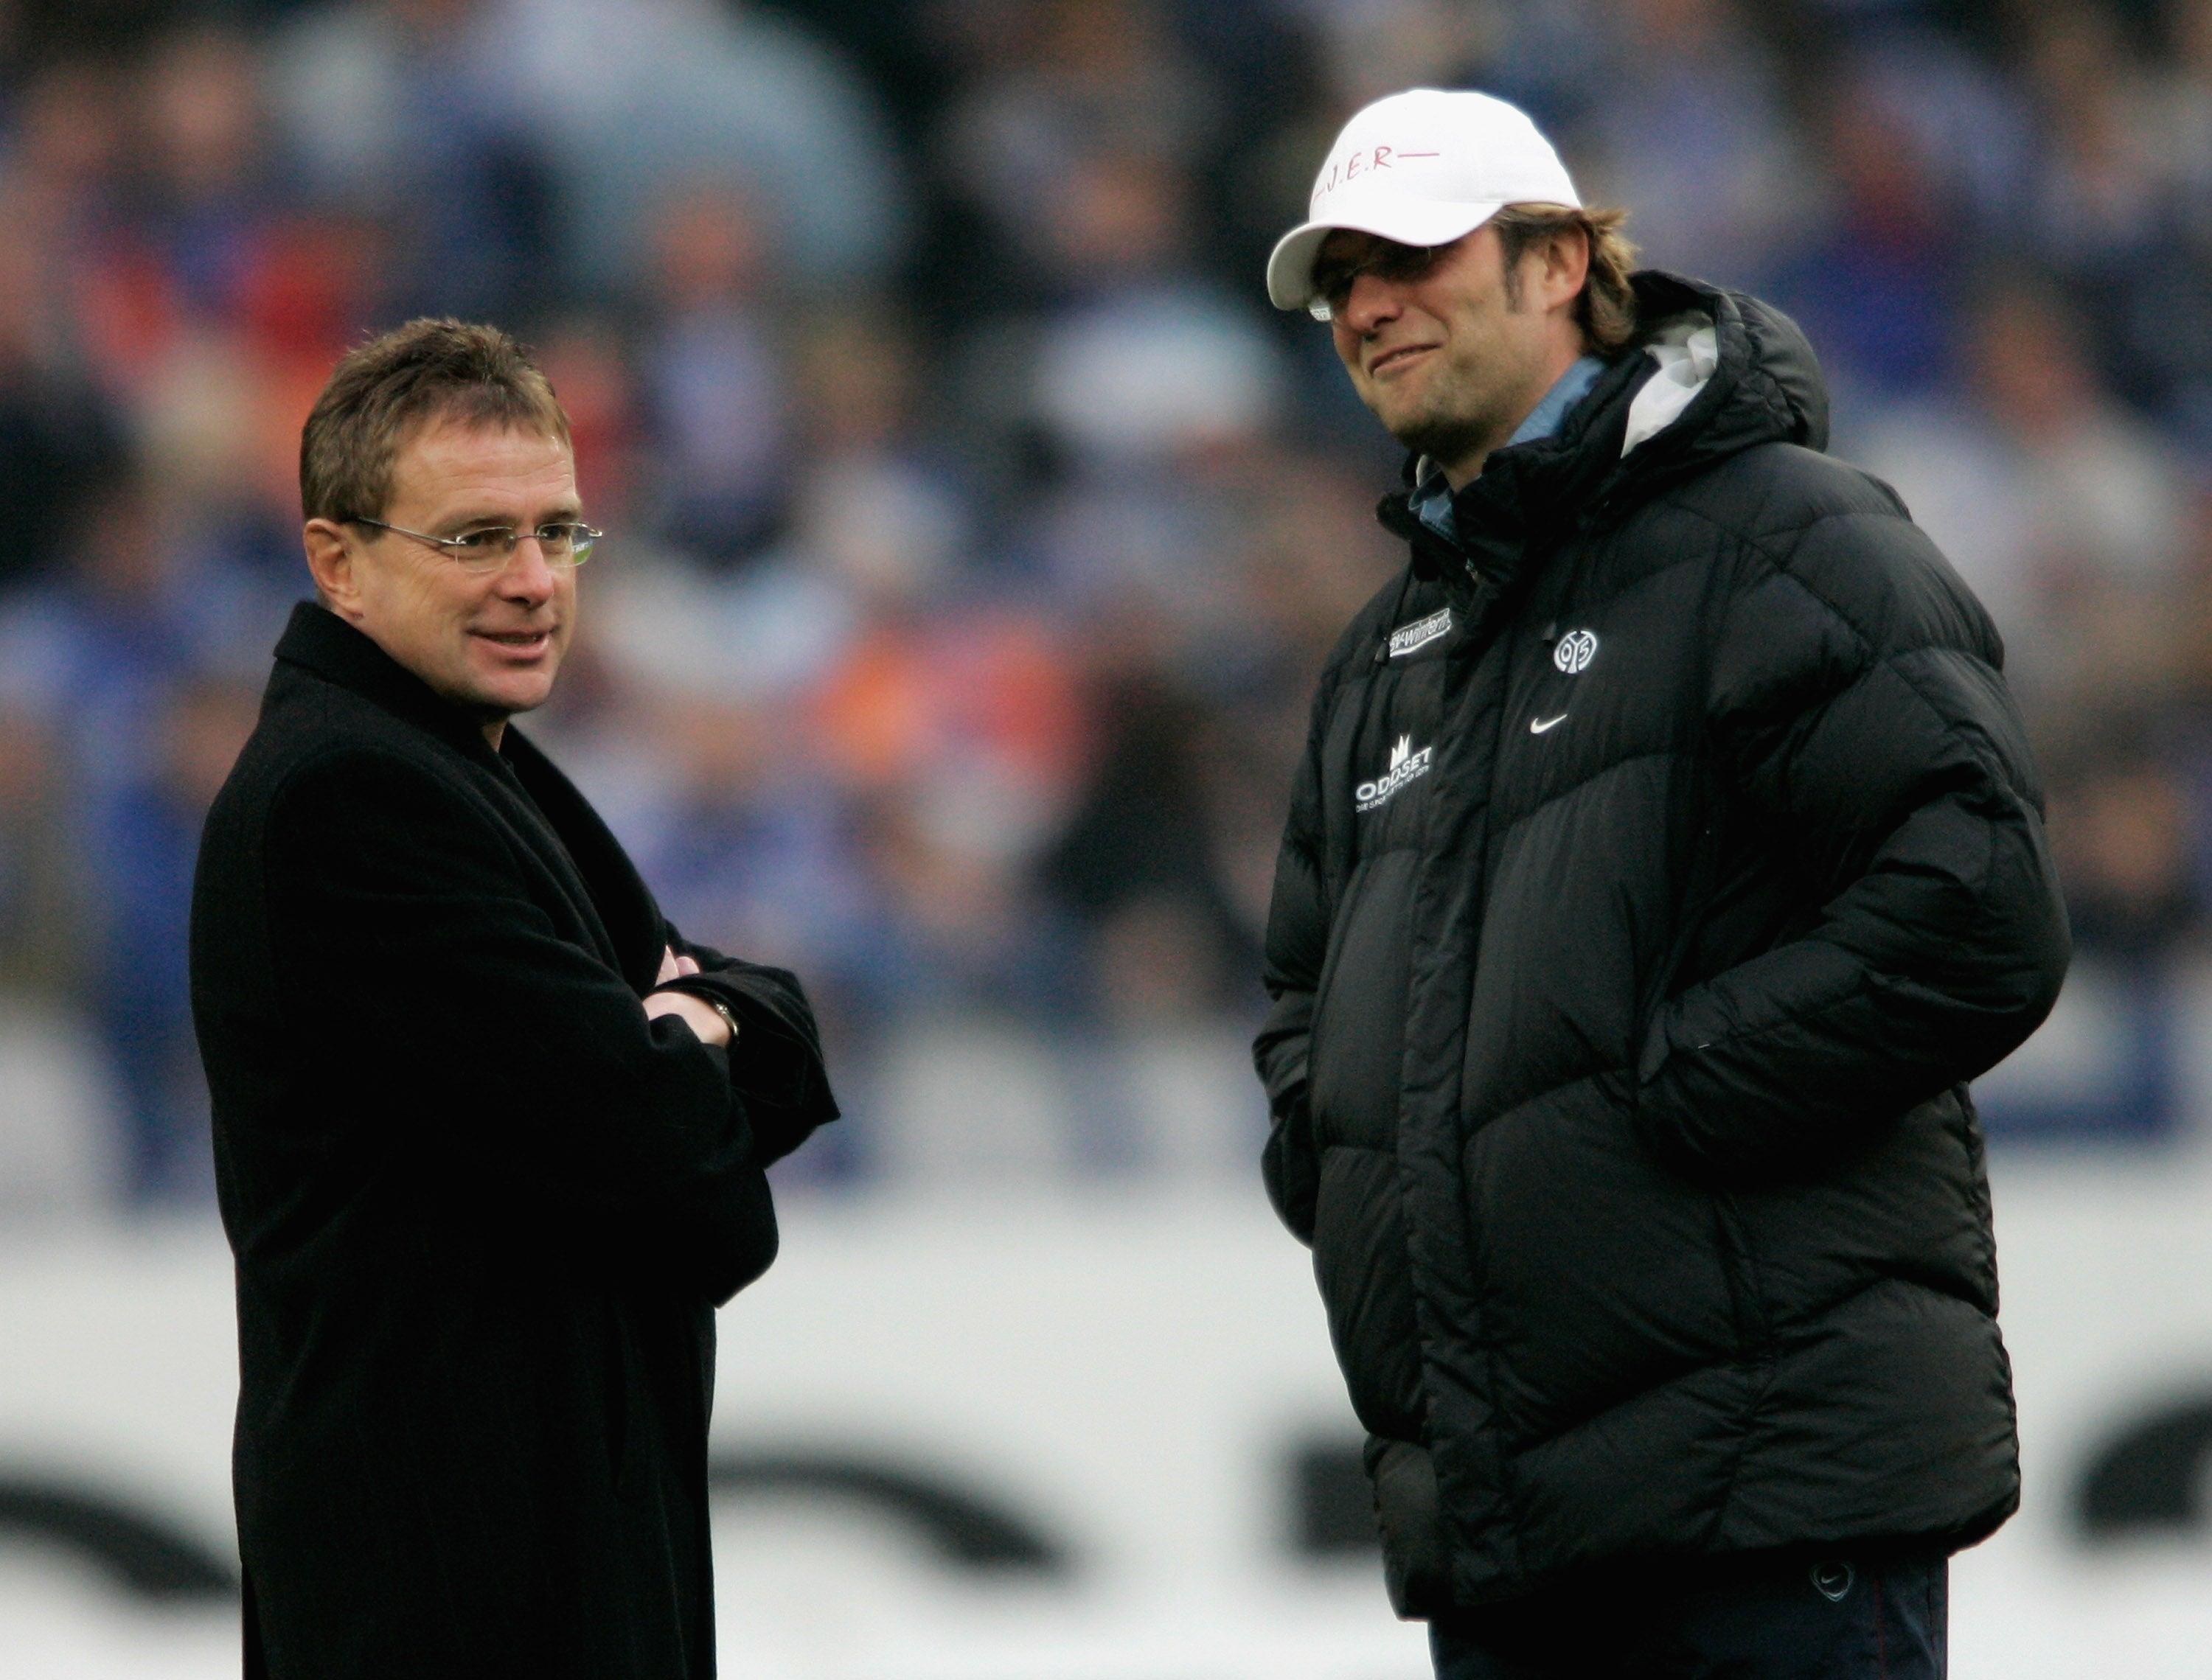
{"x": 977, "y": 529}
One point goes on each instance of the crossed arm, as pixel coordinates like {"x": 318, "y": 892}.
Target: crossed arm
{"x": 450, "y": 1011}
{"x": 702, "y": 1017}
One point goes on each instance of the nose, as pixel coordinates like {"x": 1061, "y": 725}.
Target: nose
{"x": 526, "y": 577}
{"x": 1371, "y": 302}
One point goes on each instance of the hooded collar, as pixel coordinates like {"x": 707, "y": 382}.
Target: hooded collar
{"x": 318, "y": 640}
{"x": 1431, "y": 494}
{"x": 1522, "y": 492}
{"x": 1763, "y": 386}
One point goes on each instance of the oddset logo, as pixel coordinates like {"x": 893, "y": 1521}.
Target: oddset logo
{"x": 1406, "y": 765}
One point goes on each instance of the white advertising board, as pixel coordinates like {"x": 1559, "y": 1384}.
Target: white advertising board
{"x": 1126, "y": 1381}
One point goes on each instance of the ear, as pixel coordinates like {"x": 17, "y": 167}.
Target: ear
{"x": 1562, "y": 266}
{"x": 330, "y": 560}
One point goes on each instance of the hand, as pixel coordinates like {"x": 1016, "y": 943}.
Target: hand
{"x": 703, "y": 1018}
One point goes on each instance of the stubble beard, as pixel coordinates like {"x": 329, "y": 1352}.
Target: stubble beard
{"x": 1442, "y": 429}
{"x": 1442, "y": 438}
{"x": 1468, "y": 410}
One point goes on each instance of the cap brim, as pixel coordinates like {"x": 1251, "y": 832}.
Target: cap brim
{"x": 1290, "y": 268}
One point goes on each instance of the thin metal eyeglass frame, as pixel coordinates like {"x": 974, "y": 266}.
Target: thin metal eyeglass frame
{"x": 1412, "y": 260}
{"x": 459, "y": 551}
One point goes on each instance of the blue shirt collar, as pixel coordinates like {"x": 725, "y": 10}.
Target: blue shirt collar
{"x": 1569, "y": 389}
{"x": 1432, "y": 496}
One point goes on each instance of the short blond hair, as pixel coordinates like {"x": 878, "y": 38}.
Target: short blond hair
{"x": 1605, "y": 309}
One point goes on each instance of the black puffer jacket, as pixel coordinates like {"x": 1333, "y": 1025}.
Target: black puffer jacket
{"x": 1656, "y": 879}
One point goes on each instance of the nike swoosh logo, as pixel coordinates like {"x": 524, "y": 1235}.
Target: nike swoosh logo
{"x": 1538, "y": 726}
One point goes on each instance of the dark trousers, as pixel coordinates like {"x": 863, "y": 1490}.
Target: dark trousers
{"x": 1832, "y": 1618}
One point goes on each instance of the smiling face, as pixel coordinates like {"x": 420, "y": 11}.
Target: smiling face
{"x": 488, "y": 641}
{"x": 1450, "y": 359}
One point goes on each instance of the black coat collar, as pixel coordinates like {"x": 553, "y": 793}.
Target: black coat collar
{"x": 317, "y": 640}
{"x": 610, "y": 898}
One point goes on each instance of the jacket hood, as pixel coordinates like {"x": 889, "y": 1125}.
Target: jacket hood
{"x": 1764, "y": 385}
{"x": 1756, "y": 381}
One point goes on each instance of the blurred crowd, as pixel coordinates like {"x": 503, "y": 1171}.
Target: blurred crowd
{"x": 976, "y": 528}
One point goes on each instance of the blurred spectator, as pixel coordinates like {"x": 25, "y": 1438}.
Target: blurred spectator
{"x": 1149, "y": 360}
{"x": 1691, "y": 133}
{"x": 871, "y": 461}
{"x": 2064, "y": 513}
{"x": 588, "y": 363}
{"x": 2097, "y": 201}
{"x": 745, "y": 844}
{"x": 714, "y": 386}
{"x": 1054, "y": 87}
{"x": 1138, "y": 864}
{"x": 956, "y": 728}
{"x": 1255, "y": 57}
{"x": 407, "y": 115}
{"x": 1374, "y": 47}
{"x": 2120, "y": 820}
{"x": 632, "y": 94}
{"x": 1200, "y": 726}
{"x": 1973, "y": 135}
{"x": 42, "y": 886}
{"x": 62, "y": 194}
{"x": 2171, "y": 305}
{"x": 2116, "y": 218}
{"x": 212, "y": 309}
{"x": 58, "y": 436}
{"x": 210, "y": 198}
{"x": 1873, "y": 286}
{"x": 107, "y": 664}
{"x": 145, "y": 841}
{"x": 2119, "y": 824}
{"x": 1153, "y": 390}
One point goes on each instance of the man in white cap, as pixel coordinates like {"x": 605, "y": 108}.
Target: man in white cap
{"x": 1666, "y": 858}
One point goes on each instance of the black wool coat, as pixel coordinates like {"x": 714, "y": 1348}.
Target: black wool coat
{"x": 1667, "y": 857}
{"x": 483, "y": 1208}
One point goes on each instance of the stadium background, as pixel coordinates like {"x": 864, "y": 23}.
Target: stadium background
{"x": 976, "y": 531}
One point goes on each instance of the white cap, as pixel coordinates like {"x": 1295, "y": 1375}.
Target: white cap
{"x": 1421, "y": 168}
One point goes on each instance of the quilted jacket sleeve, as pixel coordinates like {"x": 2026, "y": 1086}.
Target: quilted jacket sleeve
{"x": 1297, "y": 938}
{"x": 1857, "y": 709}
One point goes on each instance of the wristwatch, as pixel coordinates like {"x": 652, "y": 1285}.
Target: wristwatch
{"x": 722, "y": 1009}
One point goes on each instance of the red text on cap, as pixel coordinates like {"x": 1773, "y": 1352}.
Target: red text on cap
{"x": 1364, "y": 162}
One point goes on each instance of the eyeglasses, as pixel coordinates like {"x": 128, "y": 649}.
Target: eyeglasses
{"x": 563, "y": 543}
{"x": 1393, "y": 263}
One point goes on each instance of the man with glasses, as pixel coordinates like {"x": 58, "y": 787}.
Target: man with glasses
{"x": 1666, "y": 858}
{"x": 489, "y": 1132}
